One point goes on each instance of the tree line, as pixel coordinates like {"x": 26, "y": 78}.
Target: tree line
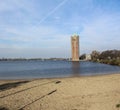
{"x": 108, "y": 57}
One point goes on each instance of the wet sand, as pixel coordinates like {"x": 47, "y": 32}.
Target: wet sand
{"x": 78, "y": 93}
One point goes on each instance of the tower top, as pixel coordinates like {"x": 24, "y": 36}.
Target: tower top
{"x": 75, "y": 35}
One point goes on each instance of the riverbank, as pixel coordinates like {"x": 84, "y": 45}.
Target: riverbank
{"x": 78, "y": 93}
{"x": 113, "y": 62}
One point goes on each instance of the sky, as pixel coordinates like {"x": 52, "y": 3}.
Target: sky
{"x": 42, "y": 28}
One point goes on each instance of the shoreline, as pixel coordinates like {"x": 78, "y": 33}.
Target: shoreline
{"x": 82, "y": 76}
{"x": 74, "y": 93}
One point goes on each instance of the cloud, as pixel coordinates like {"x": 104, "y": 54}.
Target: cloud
{"x": 34, "y": 53}
{"x": 102, "y": 33}
{"x": 48, "y": 25}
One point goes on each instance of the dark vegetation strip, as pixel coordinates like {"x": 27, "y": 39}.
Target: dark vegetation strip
{"x": 111, "y": 57}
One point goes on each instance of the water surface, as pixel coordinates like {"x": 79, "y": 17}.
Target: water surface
{"x": 52, "y": 69}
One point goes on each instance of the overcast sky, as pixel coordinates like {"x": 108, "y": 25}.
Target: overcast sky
{"x": 42, "y": 28}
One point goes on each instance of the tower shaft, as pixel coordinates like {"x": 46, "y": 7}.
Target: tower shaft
{"x": 75, "y": 48}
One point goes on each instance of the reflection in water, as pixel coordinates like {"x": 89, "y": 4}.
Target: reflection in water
{"x": 76, "y": 68}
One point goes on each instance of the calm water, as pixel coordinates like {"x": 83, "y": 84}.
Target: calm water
{"x": 50, "y": 69}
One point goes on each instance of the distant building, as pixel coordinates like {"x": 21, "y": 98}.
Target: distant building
{"x": 88, "y": 57}
{"x": 75, "y": 47}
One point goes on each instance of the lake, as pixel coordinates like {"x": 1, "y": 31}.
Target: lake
{"x": 52, "y": 69}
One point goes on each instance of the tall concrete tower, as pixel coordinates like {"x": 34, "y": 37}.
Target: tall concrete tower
{"x": 75, "y": 47}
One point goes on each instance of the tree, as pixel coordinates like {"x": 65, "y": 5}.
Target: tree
{"x": 82, "y": 57}
{"x": 95, "y": 55}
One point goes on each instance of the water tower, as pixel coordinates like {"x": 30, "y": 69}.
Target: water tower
{"x": 75, "y": 47}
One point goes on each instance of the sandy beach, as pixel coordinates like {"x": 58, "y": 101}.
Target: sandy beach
{"x": 77, "y": 93}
